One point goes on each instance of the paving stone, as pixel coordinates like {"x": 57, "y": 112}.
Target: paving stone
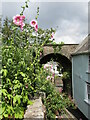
{"x": 35, "y": 111}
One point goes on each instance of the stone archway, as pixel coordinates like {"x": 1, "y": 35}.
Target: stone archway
{"x": 67, "y": 67}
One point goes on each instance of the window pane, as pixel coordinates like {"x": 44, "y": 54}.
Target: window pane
{"x": 88, "y": 89}
{"x": 88, "y": 96}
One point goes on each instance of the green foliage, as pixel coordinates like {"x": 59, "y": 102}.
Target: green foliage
{"x": 55, "y": 102}
{"x": 57, "y": 47}
{"x": 21, "y": 72}
{"x": 22, "y": 75}
{"x": 66, "y": 75}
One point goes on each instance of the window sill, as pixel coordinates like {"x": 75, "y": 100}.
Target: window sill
{"x": 87, "y": 82}
{"x": 88, "y": 72}
{"x": 86, "y": 101}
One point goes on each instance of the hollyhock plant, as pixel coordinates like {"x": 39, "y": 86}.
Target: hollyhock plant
{"x": 36, "y": 28}
{"x": 33, "y": 23}
{"x": 22, "y": 75}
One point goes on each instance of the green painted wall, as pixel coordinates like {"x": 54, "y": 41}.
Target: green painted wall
{"x": 79, "y": 78}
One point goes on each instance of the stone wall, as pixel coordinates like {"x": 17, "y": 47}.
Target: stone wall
{"x": 67, "y": 49}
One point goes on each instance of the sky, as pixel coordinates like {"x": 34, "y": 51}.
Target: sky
{"x": 70, "y": 19}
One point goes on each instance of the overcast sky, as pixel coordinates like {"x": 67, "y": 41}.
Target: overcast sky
{"x": 70, "y": 17}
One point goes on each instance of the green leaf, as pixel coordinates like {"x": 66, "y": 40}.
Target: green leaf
{"x": 14, "y": 28}
{"x": 4, "y": 71}
{"x": 19, "y": 112}
{"x": 25, "y": 98}
{"x": 4, "y": 91}
{"x": 1, "y": 116}
{"x": 9, "y": 96}
{"x": 2, "y": 109}
{"x": 17, "y": 98}
{"x": 9, "y": 60}
{"x": 10, "y": 109}
{"x": 31, "y": 87}
{"x": 28, "y": 68}
{"x": 8, "y": 80}
{"x": 30, "y": 102}
{"x": 5, "y": 115}
{"x": 23, "y": 74}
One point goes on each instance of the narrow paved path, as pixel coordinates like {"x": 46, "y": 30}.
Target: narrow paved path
{"x": 35, "y": 111}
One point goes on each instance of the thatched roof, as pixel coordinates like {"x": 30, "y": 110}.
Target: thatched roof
{"x": 84, "y": 47}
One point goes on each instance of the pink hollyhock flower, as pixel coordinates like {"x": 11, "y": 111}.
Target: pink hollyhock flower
{"x": 52, "y": 71}
{"x": 53, "y": 74}
{"x": 52, "y": 35}
{"x": 22, "y": 17}
{"x": 36, "y": 28}
{"x": 33, "y": 23}
{"x": 45, "y": 66}
{"x": 48, "y": 77}
{"x": 17, "y": 20}
{"x": 22, "y": 25}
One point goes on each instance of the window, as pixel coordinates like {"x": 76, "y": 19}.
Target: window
{"x": 88, "y": 91}
{"x": 87, "y": 95}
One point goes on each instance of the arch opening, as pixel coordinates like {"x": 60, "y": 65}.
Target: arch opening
{"x": 66, "y": 64}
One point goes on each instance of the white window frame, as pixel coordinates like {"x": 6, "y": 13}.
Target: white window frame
{"x": 88, "y": 91}
{"x": 87, "y": 99}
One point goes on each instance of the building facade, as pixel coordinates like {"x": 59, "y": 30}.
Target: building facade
{"x": 81, "y": 77}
